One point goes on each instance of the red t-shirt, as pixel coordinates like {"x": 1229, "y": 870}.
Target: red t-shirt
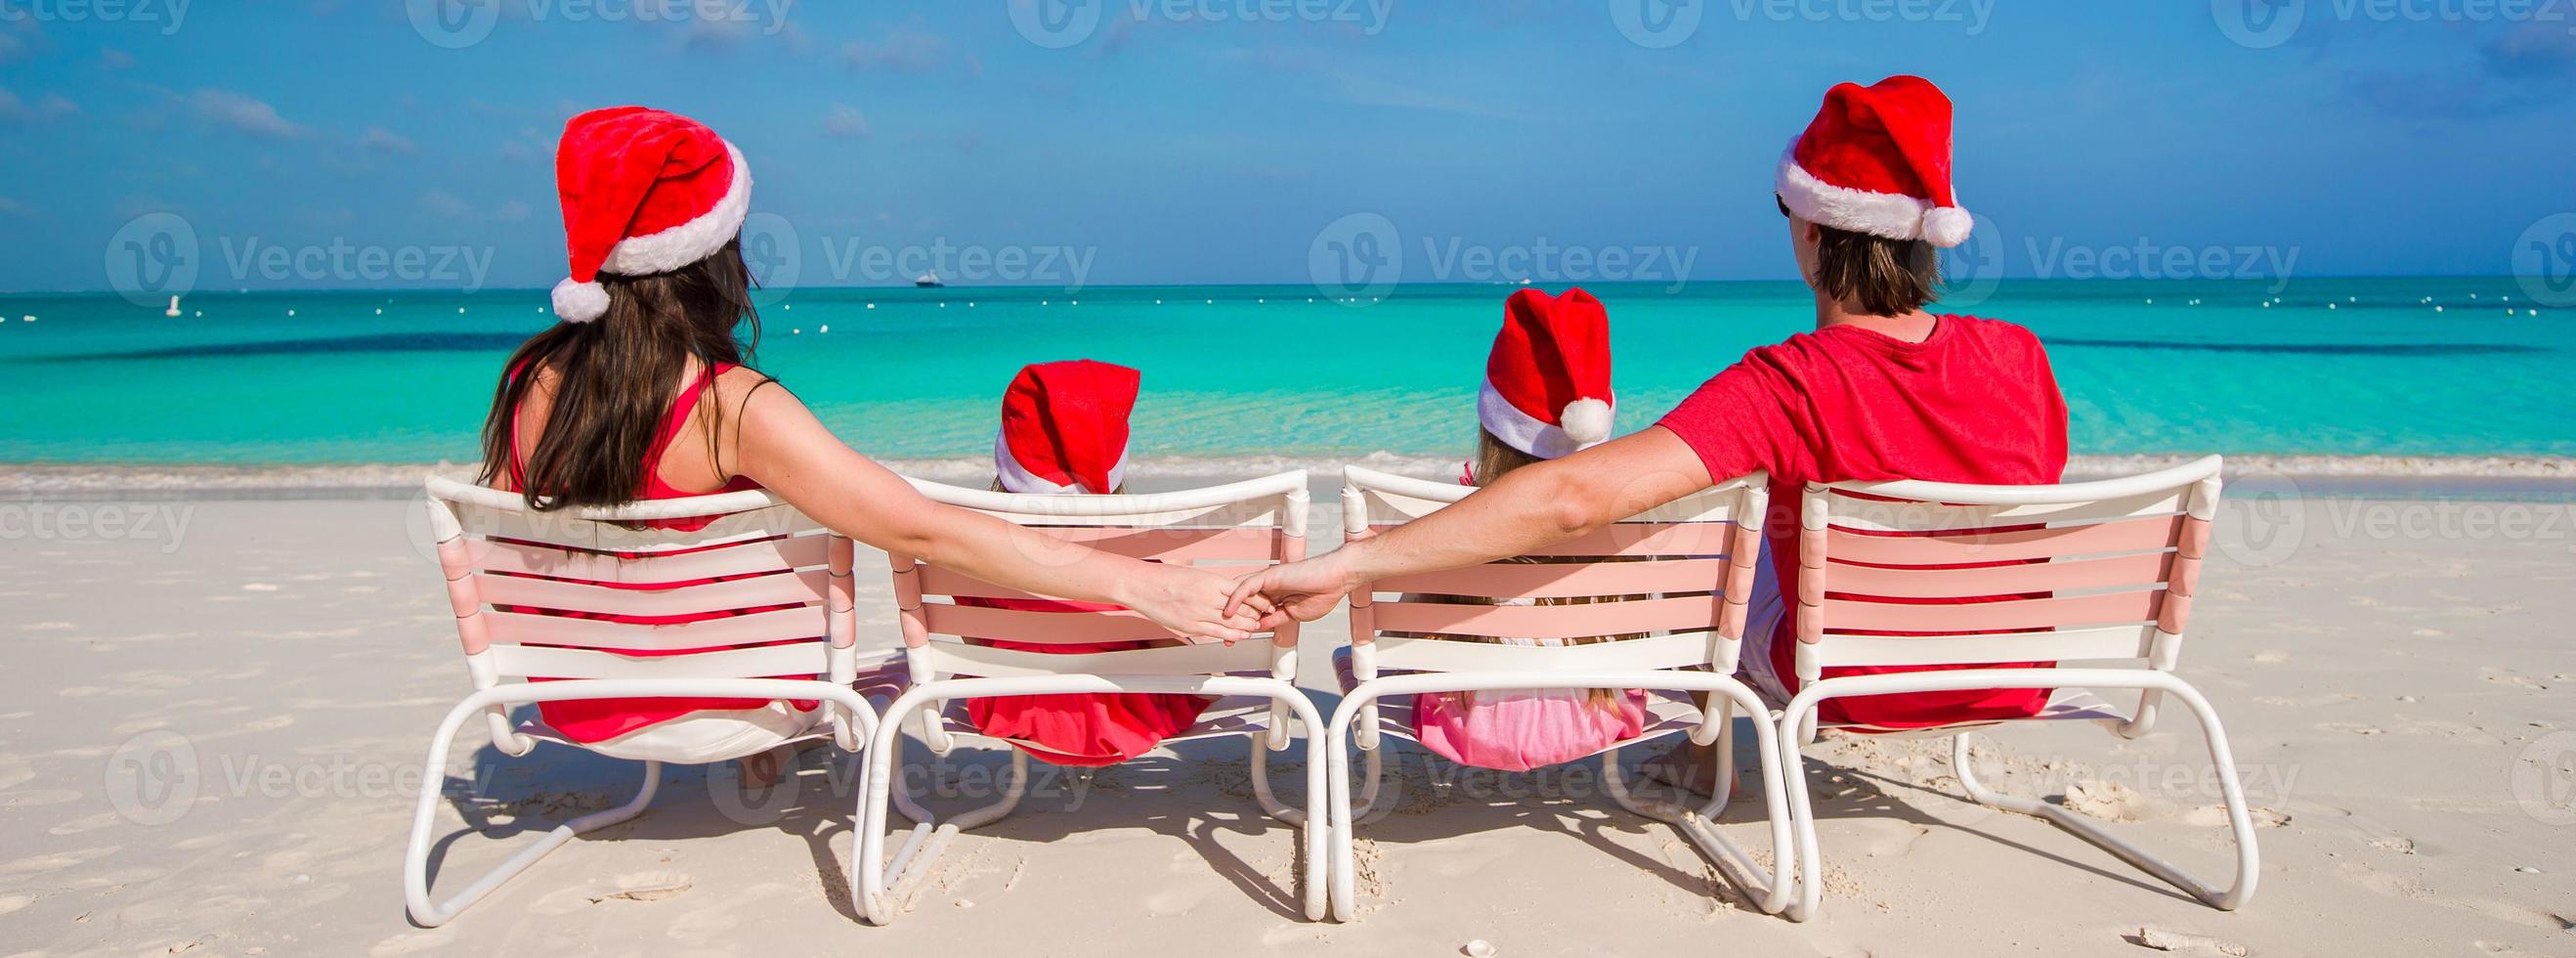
{"x": 1976, "y": 402}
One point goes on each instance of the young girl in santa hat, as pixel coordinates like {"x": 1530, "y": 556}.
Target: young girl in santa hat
{"x": 1546, "y": 394}
{"x": 643, "y": 391}
{"x": 1064, "y": 431}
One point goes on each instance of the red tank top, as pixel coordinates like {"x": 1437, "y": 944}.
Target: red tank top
{"x": 598, "y": 720}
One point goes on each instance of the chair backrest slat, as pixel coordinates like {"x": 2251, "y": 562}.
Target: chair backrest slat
{"x": 1990, "y": 574}
{"x": 1208, "y": 659}
{"x": 2010, "y": 545}
{"x": 2006, "y": 615}
{"x": 969, "y": 621}
{"x": 1878, "y": 514}
{"x": 786, "y": 588}
{"x": 1705, "y": 538}
{"x": 1550, "y": 621}
{"x": 804, "y": 658}
{"x": 2101, "y": 642}
{"x": 1237, "y": 544}
{"x": 758, "y": 557}
{"x": 1675, "y": 577}
{"x": 1629, "y": 655}
{"x": 781, "y": 625}
{"x": 1558, "y": 580}
{"x": 1993, "y": 580}
{"x": 595, "y": 535}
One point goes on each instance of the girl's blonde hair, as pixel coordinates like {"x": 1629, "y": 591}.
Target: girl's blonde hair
{"x": 1494, "y": 460}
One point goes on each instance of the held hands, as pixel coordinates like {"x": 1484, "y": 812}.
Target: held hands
{"x": 1195, "y": 603}
{"x": 1305, "y": 590}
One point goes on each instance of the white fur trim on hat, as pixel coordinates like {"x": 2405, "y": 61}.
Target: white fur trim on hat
{"x": 580, "y": 302}
{"x": 1537, "y": 437}
{"x": 1017, "y": 478}
{"x": 688, "y": 242}
{"x": 1892, "y": 215}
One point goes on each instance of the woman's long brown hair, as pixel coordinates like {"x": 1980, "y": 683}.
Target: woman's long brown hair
{"x": 616, "y": 379}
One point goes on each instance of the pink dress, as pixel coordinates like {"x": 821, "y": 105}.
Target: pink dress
{"x": 596, "y": 721}
{"x": 1515, "y": 730}
{"x": 1087, "y": 729}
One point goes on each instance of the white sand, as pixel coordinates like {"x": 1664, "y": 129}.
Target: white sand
{"x": 2381, "y": 687}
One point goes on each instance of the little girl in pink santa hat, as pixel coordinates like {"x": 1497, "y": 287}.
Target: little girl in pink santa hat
{"x": 1546, "y": 395}
{"x": 1064, "y": 431}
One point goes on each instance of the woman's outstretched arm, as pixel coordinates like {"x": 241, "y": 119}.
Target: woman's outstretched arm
{"x": 1534, "y": 507}
{"x": 783, "y": 447}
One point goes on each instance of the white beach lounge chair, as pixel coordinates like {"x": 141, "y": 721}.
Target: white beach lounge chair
{"x": 1681, "y": 573}
{"x": 2118, "y": 561}
{"x": 1233, "y": 527}
{"x": 499, "y": 556}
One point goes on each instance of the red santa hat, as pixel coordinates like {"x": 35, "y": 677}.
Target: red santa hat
{"x": 643, "y": 192}
{"x": 1064, "y": 428}
{"x": 1877, "y": 160}
{"x": 1547, "y": 382}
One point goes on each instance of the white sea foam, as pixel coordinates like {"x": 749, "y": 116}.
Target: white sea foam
{"x": 2420, "y": 473}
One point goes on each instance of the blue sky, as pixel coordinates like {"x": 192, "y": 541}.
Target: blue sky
{"x": 1216, "y": 140}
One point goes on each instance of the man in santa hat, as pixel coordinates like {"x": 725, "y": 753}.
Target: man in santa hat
{"x": 1879, "y": 389}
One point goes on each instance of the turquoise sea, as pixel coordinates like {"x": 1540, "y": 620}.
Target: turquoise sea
{"x": 1236, "y": 371}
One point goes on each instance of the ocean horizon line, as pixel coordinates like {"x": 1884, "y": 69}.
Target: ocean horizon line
{"x": 542, "y": 288}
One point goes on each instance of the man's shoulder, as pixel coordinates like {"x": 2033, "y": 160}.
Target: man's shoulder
{"x": 1994, "y": 334}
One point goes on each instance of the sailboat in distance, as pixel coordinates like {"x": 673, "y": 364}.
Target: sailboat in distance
{"x": 929, "y": 280}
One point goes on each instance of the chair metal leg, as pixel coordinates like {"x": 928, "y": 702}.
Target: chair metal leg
{"x": 2239, "y": 822}
{"x": 1344, "y": 880}
{"x": 430, "y": 914}
{"x": 880, "y": 893}
{"x": 1801, "y": 714}
{"x": 1772, "y": 885}
{"x": 1261, "y": 787}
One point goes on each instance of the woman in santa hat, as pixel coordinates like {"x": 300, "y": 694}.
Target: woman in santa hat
{"x": 1064, "y": 432}
{"x": 1546, "y": 395}
{"x": 644, "y": 391}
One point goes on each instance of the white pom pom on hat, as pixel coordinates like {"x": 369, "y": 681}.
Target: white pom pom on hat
{"x": 578, "y": 302}
{"x": 1586, "y": 421}
{"x": 1947, "y": 226}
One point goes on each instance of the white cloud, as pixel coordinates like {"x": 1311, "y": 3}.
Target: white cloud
{"x": 247, "y": 114}
{"x": 112, "y": 58}
{"x": 845, "y": 120}
{"x": 906, "y": 48}
{"x": 52, "y": 107}
{"x": 382, "y": 140}
{"x": 11, "y": 207}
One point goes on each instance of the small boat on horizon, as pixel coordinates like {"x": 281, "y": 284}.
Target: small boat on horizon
{"x": 929, "y": 280}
